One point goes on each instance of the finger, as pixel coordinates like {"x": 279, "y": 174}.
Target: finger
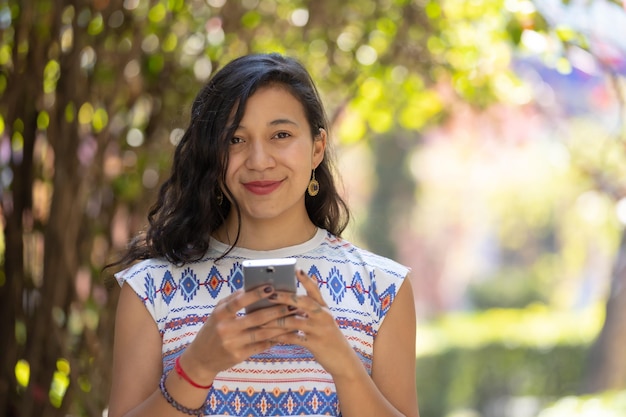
{"x": 310, "y": 285}
{"x": 230, "y": 297}
{"x": 297, "y": 337}
{"x": 259, "y": 337}
{"x": 289, "y": 324}
{"x": 240, "y": 299}
{"x": 225, "y": 303}
{"x": 268, "y": 315}
{"x": 299, "y": 304}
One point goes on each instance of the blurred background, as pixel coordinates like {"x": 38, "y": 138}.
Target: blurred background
{"x": 480, "y": 142}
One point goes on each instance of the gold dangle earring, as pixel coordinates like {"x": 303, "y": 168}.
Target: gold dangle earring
{"x": 314, "y": 186}
{"x": 220, "y": 197}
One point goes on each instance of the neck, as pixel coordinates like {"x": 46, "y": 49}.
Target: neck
{"x": 266, "y": 235}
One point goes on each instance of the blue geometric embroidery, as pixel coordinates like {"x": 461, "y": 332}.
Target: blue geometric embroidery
{"x": 314, "y": 272}
{"x": 358, "y": 288}
{"x": 238, "y": 404}
{"x": 189, "y": 284}
{"x": 386, "y": 298}
{"x": 216, "y": 402}
{"x": 374, "y": 299}
{"x": 236, "y": 277}
{"x": 214, "y": 282}
{"x": 264, "y": 403}
{"x": 150, "y": 289}
{"x": 317, "y": 402}
{"x": 336, "y": 284}
{"x": 168, "y": 287}
{"x": 289, "y": 403}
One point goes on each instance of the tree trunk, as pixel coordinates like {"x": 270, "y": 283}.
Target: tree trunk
{"x": 606, "y": 364}
{"x": 20, "y": 109}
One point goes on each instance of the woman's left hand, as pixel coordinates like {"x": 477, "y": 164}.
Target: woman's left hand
{"x": 314, "y": 327}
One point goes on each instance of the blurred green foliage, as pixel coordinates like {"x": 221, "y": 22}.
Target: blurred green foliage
{"x": 473, "y": 361}
{"x": 536, "y": 326}
{"x": 477, "y": 378}
{"x": 608, "y": 404}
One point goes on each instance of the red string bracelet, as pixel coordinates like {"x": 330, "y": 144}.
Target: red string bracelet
{"x": 181, "y": 372}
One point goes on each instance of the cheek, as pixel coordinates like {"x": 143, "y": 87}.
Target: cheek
{"x": 231, "y": 172}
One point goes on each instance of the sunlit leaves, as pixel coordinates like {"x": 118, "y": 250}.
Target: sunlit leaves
{"x": 5, "y": 55}
{"x": 60, "y": 382}
{"x": 100, "y": 120}
{"x": 70, "y": 112}
{"x": 43, "y": 120}
{"x": 352, "y": 127}
{"x": 157, "y": 13}
{"x": 175, "y": 5}
{"x": 22, "y": 372}
{"x": 567, "y": 34}
{"x": 96, "y": 25}
{"x": 387, "y": 27}
{"x": 251, "y": 19}
{"x": 85, "y": 114}
{"x": 475, "y": 42}
{"x": 510, "y": 89}
{"x": 420, "y": 110}
{"x": 170, "y": 43}
{"x": 433, "y": 10}
{"x": 17, "y": 143}
{"x": 155, "y": 64}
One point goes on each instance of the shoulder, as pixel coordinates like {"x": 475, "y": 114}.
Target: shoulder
{"x": 341, "y": 250}
{"x": 373, "y": 279}
{"x": 142, "y": 268}
{"x": 162, "y": 268}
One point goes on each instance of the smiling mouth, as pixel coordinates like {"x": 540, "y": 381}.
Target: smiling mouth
{"x": 262, "y": 187}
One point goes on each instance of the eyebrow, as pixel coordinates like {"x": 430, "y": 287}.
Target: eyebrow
{"x": 276, "y": 122}
{"x": 282, "y": 122}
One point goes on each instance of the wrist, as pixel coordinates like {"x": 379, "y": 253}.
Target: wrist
{"x": 186, "y": 368}
{"x": 352, "y": 369}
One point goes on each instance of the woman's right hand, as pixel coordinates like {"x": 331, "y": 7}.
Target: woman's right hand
{"x": 227, "y": 339}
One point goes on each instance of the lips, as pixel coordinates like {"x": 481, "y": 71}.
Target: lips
{"x": 262, "y": 187}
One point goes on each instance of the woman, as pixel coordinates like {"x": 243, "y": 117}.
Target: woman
{"x": 252, "y": 179}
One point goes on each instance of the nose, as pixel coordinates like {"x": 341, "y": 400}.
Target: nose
{"x": 260, "y": 155}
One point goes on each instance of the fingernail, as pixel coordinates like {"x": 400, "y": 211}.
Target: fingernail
{"x": 301, "y": 271}
{"x": 268, "y": 289}
{"x": 273, "y": 296}
{"x": 292, "y": 308}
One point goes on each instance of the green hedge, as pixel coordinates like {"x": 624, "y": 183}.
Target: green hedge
{"x": 608, "y": 404}
{"x": 473, "y": 378}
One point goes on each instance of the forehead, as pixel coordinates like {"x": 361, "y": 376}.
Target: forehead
{"x": 272, "y": 100}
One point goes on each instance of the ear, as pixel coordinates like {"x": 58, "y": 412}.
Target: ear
{"x": 319, "y": 146}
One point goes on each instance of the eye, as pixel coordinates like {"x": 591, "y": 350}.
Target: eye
{"x": 282, "y": 135}
{"x": 236, "y": 139}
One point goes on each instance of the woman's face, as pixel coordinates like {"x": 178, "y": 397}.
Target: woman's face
{"x": 271, "y": 157}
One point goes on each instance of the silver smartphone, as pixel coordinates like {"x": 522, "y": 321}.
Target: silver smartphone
{"x": 279, "y": 272}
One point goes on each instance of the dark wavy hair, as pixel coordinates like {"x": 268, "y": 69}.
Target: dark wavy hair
{"x": 188, "y": 210}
